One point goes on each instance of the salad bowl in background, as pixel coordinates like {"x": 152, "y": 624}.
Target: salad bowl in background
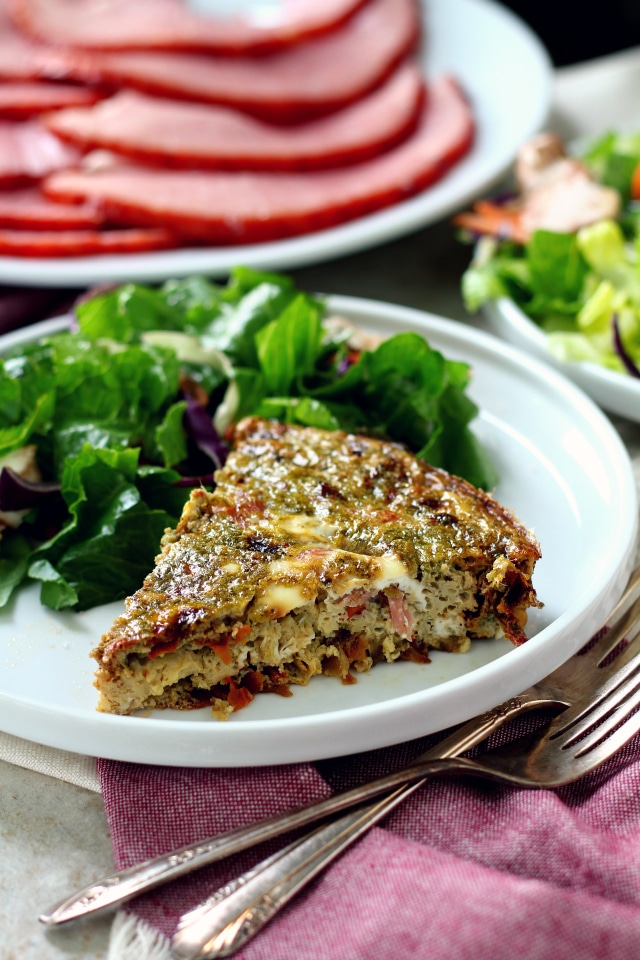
{"x": 617, "y": 393}
{"x": 556, "y": 264}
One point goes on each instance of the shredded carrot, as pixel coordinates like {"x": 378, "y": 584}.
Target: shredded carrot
{"x": 357, "y": 608}
{"x": 488, "y": 209}
{"x": 505, "y": 227}
{"x": 387, "y": 516}
{"x": 159, "y": 649}
{"x": 222, "y": 648}
{"x": 238, "y": 697}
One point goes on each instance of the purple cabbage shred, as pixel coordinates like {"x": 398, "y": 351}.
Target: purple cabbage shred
{"x": 345, "y": 363}
{"x": 16, "y": 493}
{"x": 619, "y": 347}
{"x": 199, "y": 427}
{"x": 205, "y": 481}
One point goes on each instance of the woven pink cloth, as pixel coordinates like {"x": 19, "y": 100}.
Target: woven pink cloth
{"x": 463, "y": 869}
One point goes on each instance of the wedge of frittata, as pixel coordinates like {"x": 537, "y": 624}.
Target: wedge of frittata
{"x": 318, "y": 552}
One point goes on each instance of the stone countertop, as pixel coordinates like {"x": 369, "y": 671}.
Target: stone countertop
{"x": 53, "y": 839}
{"x": 53, "y": 835}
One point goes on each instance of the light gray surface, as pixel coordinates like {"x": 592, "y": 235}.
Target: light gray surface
{"x": 53, "y": 839}
{"x": 422, "y": 271}
{"x": 53, "y": 835}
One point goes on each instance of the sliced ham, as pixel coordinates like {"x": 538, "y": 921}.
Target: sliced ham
{"x": 28, "y": 151}
{"x": 178, "y": 24}
{"x": 198, "y": 135}
{"x": 82, "y": 243}
{"x": 17, "y": 52}
{"x": 225, "y": 208}
{"x": 28, "y": 209}
{"x": 306, "y": 80}
{"x": 401, "y": 616}
{"x": 23, "y": 99}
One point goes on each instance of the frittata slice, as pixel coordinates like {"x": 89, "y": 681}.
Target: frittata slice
{"x": 318, "y": 552}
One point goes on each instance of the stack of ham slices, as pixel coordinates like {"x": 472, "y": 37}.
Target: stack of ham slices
{"x": 138, "y": 126}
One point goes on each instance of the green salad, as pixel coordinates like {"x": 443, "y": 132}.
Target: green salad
{"x": 128, "y": 409}
{"x": 582, "y": 288}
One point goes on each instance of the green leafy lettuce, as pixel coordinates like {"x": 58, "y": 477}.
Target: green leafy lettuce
{"x": 105, "y": 406}
{"x": 574, "y": 285}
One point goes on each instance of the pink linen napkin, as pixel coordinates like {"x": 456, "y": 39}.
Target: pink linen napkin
{"x": 463, "y": 869}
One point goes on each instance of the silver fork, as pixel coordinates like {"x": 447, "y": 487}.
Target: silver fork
{"x": 574, "y": 743}
{"x": 579, "y": 676}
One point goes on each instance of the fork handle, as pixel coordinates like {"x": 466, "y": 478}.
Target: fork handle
{"x": 107, "y": 892}
{"x": 238, "y": 911}
{"x": 234, "y": 914}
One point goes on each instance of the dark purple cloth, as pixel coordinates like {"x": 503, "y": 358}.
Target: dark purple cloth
{"x": 22, "y": 306}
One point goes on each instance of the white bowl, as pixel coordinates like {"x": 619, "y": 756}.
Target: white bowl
{"x": 615, "y": 392}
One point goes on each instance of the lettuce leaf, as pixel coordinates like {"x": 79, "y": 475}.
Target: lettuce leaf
{"x": 105, "y": 406}
{"x": 578, "y": 287}
{"x": 109, "y": 543}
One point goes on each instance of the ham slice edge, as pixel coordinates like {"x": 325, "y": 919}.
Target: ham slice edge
{"x": 175, "y": 133}
{"x": 173, "y": 24}
{"x": 227, "y": 208}
{"x": 306, "y": 80}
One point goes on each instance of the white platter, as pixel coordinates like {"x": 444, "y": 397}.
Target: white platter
{"x": 563, "y": 470}
{"x": 615, "y": 392}
{"x": 507, "y": 75}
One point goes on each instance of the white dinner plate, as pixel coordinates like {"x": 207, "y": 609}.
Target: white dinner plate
{"x": 506, "y": 73}
{"x": 616, "y": 392}
{"x": 563, "y": 470}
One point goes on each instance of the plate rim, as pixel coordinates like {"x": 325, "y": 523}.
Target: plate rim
{"x": 613, "y": 391}
{"x": 354, "y": 236}
{"x": 237, "y": 749}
